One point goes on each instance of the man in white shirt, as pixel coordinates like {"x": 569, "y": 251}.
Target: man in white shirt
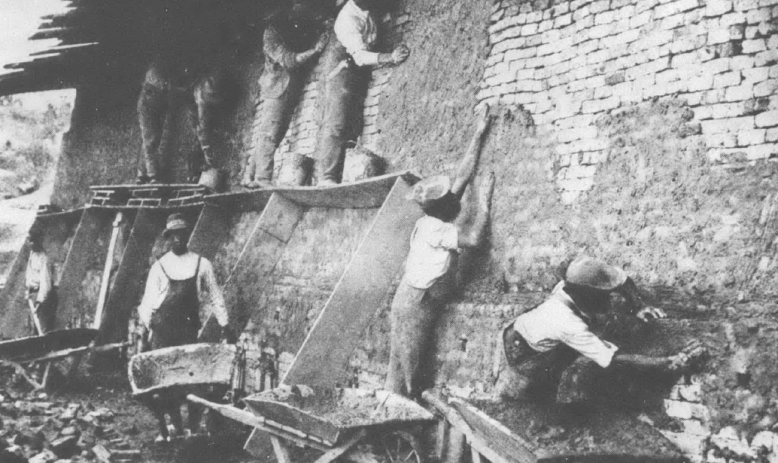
{"x": 555, "y": 338}
{"x": 39, "y": 280}
{"x": 180, "y": 285}
{"x": 347, "y": 60}
{"x": 431, "y": 263}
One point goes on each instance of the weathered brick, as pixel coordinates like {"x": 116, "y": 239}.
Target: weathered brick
{"x": 716, "y": 36}
{"x": 766, "y": 88}
{"x": 727, "y": 79}
{"x": 754, "y": 46}
{"x": 721, "y": 140}
{"x": 769, "y": 57}
{"x": 739, "y": 93}
{"x": 686, "y": 410}
{"x": 751, "y": 137}
{"x": 767, "y": 119}
{"x": 731, "y": 19}
{"x": 732, "y": 124}
{"x": 756, "y": 75}
{"x": 593, "y": 106}
{"x": 772, "y": 135}
{"x": 718, "y": 7}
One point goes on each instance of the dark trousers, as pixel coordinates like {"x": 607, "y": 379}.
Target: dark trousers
{"x": 525, "y": 372}
{"x": 152, "y": 111}
{"x": 413, "y": 317}
{"x": 344, "y": 98}
{"x": 153, "y": 105}
{"x": 274, "y": 117}
{"x": 47, "y": 312}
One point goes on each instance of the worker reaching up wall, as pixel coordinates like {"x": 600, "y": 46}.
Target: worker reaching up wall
{"x": 288, "y": 48}
{"x": 432, "y": 261}
{"x": 347, "y": 61}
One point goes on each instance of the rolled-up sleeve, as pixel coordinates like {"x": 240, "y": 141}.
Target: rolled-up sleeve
{"x": 350, "y": 36}
{"x": 577, "y": 335}
{"x": 275, "y": 50}
{"x": 156, "y": 286}
{"x": 210, "y": 294}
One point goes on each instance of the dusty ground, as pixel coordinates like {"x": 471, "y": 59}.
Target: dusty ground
{"x": 100, "y": 411}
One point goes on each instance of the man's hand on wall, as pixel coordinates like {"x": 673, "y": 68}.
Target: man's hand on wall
{"x": 400, "y": 54}
{"x": 648, "y": 313}
{"x": 322, "y": 41}
{"x": 483, "y": 112}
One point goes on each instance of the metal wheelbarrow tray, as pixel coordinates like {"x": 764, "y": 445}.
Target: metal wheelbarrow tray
{"x": 31, "y": 348}
{"x": 331, "y": 414}
{"x": 181, "y": 367}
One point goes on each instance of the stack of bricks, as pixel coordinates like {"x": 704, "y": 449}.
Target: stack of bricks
{"x": 570, "y": 62}
{"x": 303, "y": 129}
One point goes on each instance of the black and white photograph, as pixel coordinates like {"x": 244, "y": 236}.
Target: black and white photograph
{"x": 388, "y": 231}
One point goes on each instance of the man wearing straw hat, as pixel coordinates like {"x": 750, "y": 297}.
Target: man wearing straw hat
{"x": 179, "y": 283}
{"x": 555, "y": 342}
{"x": 431, "y": 262}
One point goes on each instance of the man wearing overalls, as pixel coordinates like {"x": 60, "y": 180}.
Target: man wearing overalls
{"x": 179, "y": 284}
{"x": 431, "y": 263}
{"x": 347, "y": 60}
{"x": 555, "y": 339}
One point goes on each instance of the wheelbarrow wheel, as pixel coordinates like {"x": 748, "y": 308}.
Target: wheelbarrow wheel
{"x": 399, "y": 447}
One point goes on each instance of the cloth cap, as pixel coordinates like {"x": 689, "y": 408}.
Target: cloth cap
{"x": 430, "y": 189}
{"x": 594, "y": 273}
{"x": 176, "y": 222}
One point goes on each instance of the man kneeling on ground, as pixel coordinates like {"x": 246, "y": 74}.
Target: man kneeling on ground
{"x": 555, "y": 337}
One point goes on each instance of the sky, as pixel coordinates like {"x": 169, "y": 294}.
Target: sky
{"x": 19, "y": 19}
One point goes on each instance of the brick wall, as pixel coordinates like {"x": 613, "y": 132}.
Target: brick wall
{"x": 303, "y": 129}
{"x": 569, "y": 62}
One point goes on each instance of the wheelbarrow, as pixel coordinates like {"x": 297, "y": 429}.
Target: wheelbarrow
{"x": 356, "y": 425}
{"x": 48, "y": 348}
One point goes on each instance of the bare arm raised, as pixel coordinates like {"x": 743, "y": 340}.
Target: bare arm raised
{"x": 468, "y": 164}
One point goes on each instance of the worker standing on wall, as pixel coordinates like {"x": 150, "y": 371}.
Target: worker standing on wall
{"x": 163, "y": 78}
{"x": 431, "y": 262}
{"x": 348, "y": 58}
{"x": 39, "y": 278}
{"x": 555, "y": 339}
{"x": 179, "y": 283}
{"x": 286, "y": 45}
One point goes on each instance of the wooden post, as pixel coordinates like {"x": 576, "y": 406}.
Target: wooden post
{"x": 102, "y": 295}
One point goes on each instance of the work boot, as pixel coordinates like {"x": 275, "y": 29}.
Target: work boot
{"x": 142, "y": 180}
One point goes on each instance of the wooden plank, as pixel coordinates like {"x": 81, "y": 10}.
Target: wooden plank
{"x": 492, "y": 449}
{"x": 508, "y": 441}
{"x": 281, "y": 450}
{"x": 322, "y": 359}
{"x": 130, "y": 280}
{"x": 87, "y": 250}
{"x": 364, "y": 194}
{"x": 332, "y": 455}
{"x": 210, "y": 231}
{"x": 474, "y": 455}
{"x": 32, "y": 347}
{"x": 250, "y": 276}
{"x": 102, "y": 295}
